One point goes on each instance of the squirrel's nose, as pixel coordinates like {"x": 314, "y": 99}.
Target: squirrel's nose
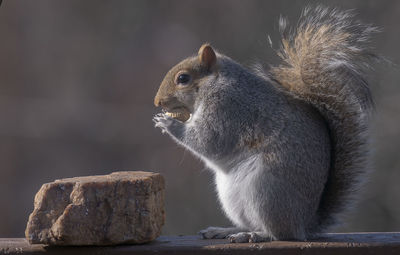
{"x": 156, "y": 102}
{"x": 159, "y": 101}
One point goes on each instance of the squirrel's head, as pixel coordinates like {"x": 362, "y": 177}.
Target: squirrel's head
{"x": 178, "y": 90}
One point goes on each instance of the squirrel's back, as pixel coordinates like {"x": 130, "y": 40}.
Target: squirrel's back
{"x": 325, "y": 60}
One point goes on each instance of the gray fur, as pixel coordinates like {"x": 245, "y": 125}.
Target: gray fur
{"x": 284, "y": 157}
{"x": 333, "y": 65}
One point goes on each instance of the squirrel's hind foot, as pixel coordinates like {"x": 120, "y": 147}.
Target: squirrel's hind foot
{"x": 218, "y": 233}
{"x": 249, "y": 237}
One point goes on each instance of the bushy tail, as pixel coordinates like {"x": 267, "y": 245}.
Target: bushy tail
{"x": 325, "y": 61}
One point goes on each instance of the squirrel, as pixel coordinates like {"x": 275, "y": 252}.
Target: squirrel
{"x": 288, "y": 147}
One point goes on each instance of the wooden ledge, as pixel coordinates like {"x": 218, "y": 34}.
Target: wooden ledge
{"x": 353, "y": 243}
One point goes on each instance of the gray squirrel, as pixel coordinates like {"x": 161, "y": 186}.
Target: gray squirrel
{"x": 289, "y": 146}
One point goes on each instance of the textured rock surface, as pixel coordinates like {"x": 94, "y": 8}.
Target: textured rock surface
{"x": 123, "y": 207}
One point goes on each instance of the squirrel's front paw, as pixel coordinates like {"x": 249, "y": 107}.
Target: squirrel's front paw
{"x": 163, "y": 121}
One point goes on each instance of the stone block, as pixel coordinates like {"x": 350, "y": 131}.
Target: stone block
{"x": 122, "y": 207}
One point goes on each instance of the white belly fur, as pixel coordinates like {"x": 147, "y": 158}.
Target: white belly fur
{"x": 236, "y": 192}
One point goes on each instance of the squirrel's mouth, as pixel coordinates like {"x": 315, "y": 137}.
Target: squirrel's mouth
{"x": 181, "y": 114}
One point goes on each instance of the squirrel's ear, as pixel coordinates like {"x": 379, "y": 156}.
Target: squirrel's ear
{"x": 207, "y": 56}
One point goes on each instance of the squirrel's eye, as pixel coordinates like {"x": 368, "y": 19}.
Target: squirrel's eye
{"x": 183, "y": 79}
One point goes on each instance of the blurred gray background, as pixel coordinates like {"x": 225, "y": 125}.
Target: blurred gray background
{"x": 77, "y": 81}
